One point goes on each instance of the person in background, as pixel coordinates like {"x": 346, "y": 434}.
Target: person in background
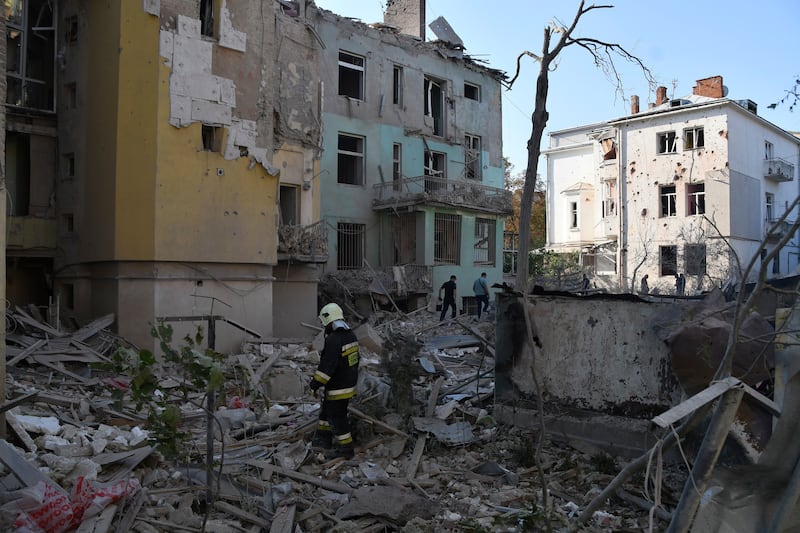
{"x": 481, "y": 289}
{"x": 338, "y": 373}
{"x": 449, "y": 288}
{"x": 645, "y": 289}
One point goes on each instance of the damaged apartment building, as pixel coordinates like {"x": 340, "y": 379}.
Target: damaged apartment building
{"x": 690, "y": 185}
{"x": 206, "y": 162}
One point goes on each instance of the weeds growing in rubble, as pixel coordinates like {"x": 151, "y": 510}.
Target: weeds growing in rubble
{"x": 604, "y": 463}
{"x": 194, "y": 368}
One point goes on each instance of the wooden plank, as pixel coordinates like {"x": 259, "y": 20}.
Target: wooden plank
{"x": 26, "y": 439}
{"x": 93, "y": 327}
{"x": 299, "y": 476}
{"x": 76, "y": 377}
{"x": 132, "y": 510}
{"x": 768, "y": 404}
{"x": 100, "y": 523}
{"x": 28, "y": 474}
{"x": 283, "y": 521}
{"x": 15, "y": 402}
{"x": 25, "y": 318}
{"x": 413, "y": 463}
{"x": 667, "y": 418}
{"x": 377, "y": 422}
{"x": 433, "y": 398}
{"x": 26, "y": 352}
{"x": 240, "y": 514}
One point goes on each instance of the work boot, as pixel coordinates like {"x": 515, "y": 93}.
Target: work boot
{"x": 343, "y": 450}
{"x": 322, "y": 439}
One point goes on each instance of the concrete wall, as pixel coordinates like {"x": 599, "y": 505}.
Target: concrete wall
{"x": 602, "y": 355}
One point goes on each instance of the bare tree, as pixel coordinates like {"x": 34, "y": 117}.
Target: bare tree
{"x": 603, "y": 54}
{"x": 791, "y": 98}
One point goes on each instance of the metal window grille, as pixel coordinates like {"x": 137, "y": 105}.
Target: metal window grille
{"x": 447, "y": 239}
{"x": 350, "y": 246}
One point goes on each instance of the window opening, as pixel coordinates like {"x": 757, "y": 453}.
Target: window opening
{"x": 397, "y": 85}
{"x": 447, "y": 239}
{"x": 485, "y": 240}
{"x": 18, "y": 173}
{"x": 667, "y": 143}
{"x": 668, "y": 201}
{"x": 434, "y": 104}
{"x": 609, "y": 205}
{"x": 351, "y": 160}
{"x": 472, "y": 92}
{"x": 350, "y": 246}
{"x": 573, "y": 215}
{"x": 769, "y": 206}
{"x": 435, "y": 171}
{"x": 609, "y": 146}
{"x": 696, "y": 196}
{"x": 71, "y": 28}
{"x": 693, "y": 138}
{"x": 776, "y": 264}
{"x": 472, "y": 156}
{"x": 404, "y": 239}
{"x": 397, "y": 166}
{"x": 68, "y": 223}
{"x": 207, "y": 18}
{"x": 69, "y": 165}
{"x": 71, "y": 91}
{"x": 769, "y": 150}
{"x": 212, "y": 138}
{"x": 351, "y": 75}
{"x": 695, "y": 258}
{"x": 30, "y": 49}
{"x": 290, "y": 205}
{"x": 669, "y": 260}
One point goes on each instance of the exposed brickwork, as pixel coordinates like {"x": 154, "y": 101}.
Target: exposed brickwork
{"x": 711, "y": 87}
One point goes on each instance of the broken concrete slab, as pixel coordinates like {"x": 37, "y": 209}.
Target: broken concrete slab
{"x": 458, "y": 433}
{"x": 396, "y": 504}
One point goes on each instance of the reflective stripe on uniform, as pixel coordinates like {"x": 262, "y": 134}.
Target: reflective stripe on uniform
{"x": 322, "y": 377}
{"x": 340, "y": 394}
{"x": 324, "y": 425}
{"x": 347, "y": 438}
{"x": 349, "y": 349}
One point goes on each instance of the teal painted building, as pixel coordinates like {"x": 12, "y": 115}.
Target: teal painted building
{"x": 411, "y": 171}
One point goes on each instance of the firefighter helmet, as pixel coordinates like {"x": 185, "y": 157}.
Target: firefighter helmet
{"x": 329, "y": 313}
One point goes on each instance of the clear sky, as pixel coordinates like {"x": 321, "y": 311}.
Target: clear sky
{"x": 752, "y": 45}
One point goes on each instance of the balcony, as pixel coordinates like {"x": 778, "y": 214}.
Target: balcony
{"x": 307, "y": 244}
{"x": 429, "y": 190}
{"x": 778, "y": 170}
{"x": 773, "y": 230}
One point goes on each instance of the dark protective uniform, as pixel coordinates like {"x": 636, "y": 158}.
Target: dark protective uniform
{"x": 338, "y": 373}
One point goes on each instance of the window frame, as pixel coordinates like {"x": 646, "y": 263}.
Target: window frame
{"x": 695, "y": 259}
{"x": 668, "y": 260}
{"x": 356, "y": 69}
{"x": 359, "y": 159}
{"x": 397, "y": 165}
{"x": 397, "y": 85}
{"x": 434, "y": 103}
{"x": 769, "y": 206}
{"x": 573, "y": 215}
{"x": 31, "y": 90}
{"x": 352, "y": 237}
{"x": 485, "y": 245}
{"x": 769, "y": 150}
{"x": 695, "y": 199}
{"x": 694, "y": 138}
{"x": 668, "y": 201}
{"x": 207, "y": 18}
{"x": 472, "y": 91}
{"x": 446, "y": 239}
{"x": 473, "y": 166}
{"x": 666, "y": 142}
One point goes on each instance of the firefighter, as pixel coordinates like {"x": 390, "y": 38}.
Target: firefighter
{"x": 337, "y": 373}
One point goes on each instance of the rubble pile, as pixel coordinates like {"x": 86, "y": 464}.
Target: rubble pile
{"x": 81, "y": 454}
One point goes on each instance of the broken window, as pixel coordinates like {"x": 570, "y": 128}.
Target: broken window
{"x": 289, "y": 205}
{"x": 485, "y": 239}
{"x": 69, "y": 166}
{"x": 696, "y": 198}
{"x": 351, "y": 160}
{"x": 397, "y": 166}
{"x": 472, "y": 92}
{"x": 350, "y": 246}
{"x": 668, "y": 201}
{"x": 693, "y": 138}
{"x": 695, "y": 259}
{"x": 435, "y": 171}
{"x": 212, "y": 138}
{"x": 609, "y": 148}
{"x": 667, "y": 142}
{"x": 446, "y": 239}
{"x": 573, "y": 215}
{"x": 71, "y": 29}
{"x": 472, "y": 156}
{"x": 434, "y": 104}
{"x": 207, "y": 18}
{"x": 397, "y": 85}
{"x": 609, "y": 206}
{"x": 351, "y": 75}
{"x": 30, "y": 48}
{"x": 404, "y": 239}
{"x": 669, "y": 260}
{"x": 769, "y": 207}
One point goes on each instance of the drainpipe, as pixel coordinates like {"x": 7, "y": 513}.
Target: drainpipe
{"x": 622, "y": 254}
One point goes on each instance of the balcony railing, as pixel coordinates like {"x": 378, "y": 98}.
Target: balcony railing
{"x": 777, "y": 169}
{"x": 304, "y": 243}
{"x": 433, "y": 190}
{"x": 774, "y": 230}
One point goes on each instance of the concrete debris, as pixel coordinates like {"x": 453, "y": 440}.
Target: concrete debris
{"x": 444, "y": 465}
